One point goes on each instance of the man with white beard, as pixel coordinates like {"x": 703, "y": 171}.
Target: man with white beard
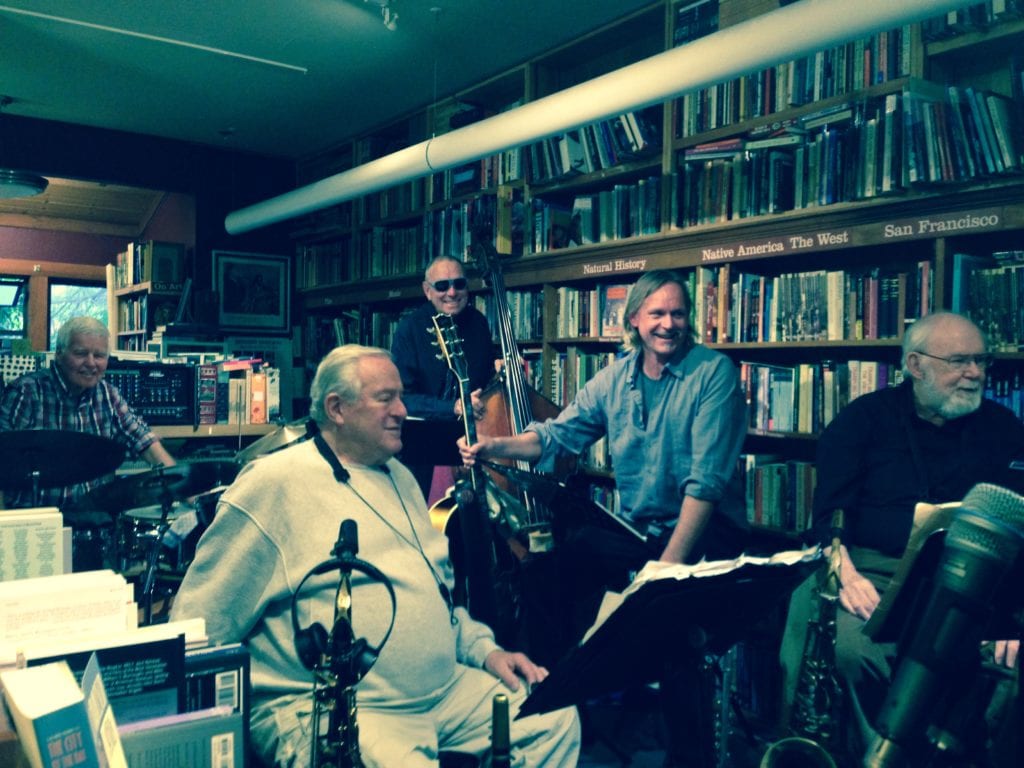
{"x": 930, "y": 439}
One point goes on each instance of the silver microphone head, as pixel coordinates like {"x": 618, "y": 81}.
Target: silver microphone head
{"x": 990, "y": 522}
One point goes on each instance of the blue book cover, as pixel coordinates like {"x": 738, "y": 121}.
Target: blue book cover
{"x": 49, "y": 713}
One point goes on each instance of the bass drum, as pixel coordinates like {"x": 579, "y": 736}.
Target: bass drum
{"x": 92, "y": 548}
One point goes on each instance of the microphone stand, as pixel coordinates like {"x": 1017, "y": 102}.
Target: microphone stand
{"x": 344, "y": 661}
{"x": 149, "y": 582}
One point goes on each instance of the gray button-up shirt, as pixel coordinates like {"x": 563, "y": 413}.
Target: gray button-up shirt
{"x": 688, "y": 446}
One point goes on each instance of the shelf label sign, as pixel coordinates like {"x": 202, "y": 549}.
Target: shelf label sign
{"x": 911, "y": 228}
{"x": 939, "y": 224}
{"x": 613, "y": 266}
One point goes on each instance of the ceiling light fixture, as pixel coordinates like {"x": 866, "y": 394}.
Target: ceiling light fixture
{"x": 19, "y": 183}
{"x": 796, "y": 30}
{"x": 387, "y": 13}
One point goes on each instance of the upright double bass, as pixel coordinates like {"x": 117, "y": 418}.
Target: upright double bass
{"x": 511, "y": 404}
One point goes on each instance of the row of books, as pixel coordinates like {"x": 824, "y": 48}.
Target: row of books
{"x": 624, "y": 210}
{"x": 874, "y": 147}
{"x": 694, "y": 20}
{"x": 1007, "y": 389}
{"x": 973, "y": 18}
{"x": 325, "y": 263}
{"x": 161, "y": 264}
{"x": 959, "y": 134}
{"x": 597, "y": 312}
{"x": 573, "y": 368}
{"x": 990, "y": 290}
{"x": 383, "y": 251}
{"x": 144, "y": 311}
{"x": 485, "y": 174}
{"x": 399, "y": 200}
{"x": 85, "y": 686}
{"x": 820, "y": 305}
{"x": 804, "y": 398}
{"x": 830, "y": 73}
{"x": 595, "y": 147}
{"x": 238, "y": 392}
{"x": 779, "y": 492}
{"x": 526, "y": 312}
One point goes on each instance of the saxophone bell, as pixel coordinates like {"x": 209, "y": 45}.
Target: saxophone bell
{"x": 797, "y": 752}
{"x": 817, "y": 703}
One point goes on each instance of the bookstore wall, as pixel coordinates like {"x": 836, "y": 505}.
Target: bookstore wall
{"x": 815, "y": 207}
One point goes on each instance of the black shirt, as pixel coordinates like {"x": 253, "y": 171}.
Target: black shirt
{"x": 878, "y": 458}
{"x": 430, "y": 387}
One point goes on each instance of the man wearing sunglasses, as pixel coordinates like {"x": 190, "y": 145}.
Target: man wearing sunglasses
{"x": 431, "y": 390}
{"x": 930, "y": 439}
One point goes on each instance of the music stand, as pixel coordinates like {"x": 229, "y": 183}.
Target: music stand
{"x": 663, "y": 621}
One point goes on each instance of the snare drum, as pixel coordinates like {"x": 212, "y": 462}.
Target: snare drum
{"x": 137, "y": 531}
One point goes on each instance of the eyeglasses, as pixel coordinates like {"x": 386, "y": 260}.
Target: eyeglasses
{"x": 441, "y": 286}
{"x": 962, "y": 362}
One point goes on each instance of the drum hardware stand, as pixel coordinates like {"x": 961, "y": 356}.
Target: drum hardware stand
{"x": 149, "y": 583}
{"x": 36, "y": 491}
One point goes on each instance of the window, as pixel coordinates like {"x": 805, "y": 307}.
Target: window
{"x": 13, "y": 293}
{"x": 69, "y": 300}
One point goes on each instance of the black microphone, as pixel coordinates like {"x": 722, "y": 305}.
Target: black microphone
{"x": 348, "y": 541}
{"x": 980, "y": 549}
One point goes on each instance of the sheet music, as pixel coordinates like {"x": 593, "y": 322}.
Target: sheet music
{"x": 655, "y": 570}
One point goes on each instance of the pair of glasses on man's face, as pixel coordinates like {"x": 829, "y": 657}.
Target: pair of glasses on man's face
{"x": 963, "y": 362}
{"x": 441, "y": 286}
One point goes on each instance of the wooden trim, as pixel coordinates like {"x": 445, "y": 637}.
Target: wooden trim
{"x": 37, "y": 311}
{"x": 213, "y": 430}
{"x": 60, "y": 270}
{"x": 39, "y": 274}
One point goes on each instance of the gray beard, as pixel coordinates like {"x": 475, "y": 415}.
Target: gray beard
{"x": 952, "y": 406}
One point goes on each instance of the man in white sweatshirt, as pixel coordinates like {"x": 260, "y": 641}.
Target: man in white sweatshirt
{"x": 430, "y": 689}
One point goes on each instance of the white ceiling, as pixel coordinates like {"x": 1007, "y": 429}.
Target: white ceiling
{"x": 338, "y": 70}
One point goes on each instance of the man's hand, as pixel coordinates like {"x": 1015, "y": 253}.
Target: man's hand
{"x": 510, "y": 667}
{"x": 470, "y": 453}
{"x": 479, "y": 409}
{"x": 857, "y": 594}
{"x": 1004, "y": 652}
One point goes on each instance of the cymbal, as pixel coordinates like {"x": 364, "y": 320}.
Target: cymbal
{"x": 61, "y": 457}
{"x": 282, "y": 437}
{"x": 153, "y": 488}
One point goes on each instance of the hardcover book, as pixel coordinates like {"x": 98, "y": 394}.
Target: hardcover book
{"x": 209, "y": 738}
{"x": 613, "y": 309}
{"x": 142, "y": 679}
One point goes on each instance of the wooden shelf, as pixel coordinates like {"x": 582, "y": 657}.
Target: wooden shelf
{"x": 213, "y": 430}
{"x": 140, "y": 288}
{"x": 956, "y": 43}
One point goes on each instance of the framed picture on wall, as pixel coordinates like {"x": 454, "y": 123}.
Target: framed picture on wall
{"x": 253, "y": 290}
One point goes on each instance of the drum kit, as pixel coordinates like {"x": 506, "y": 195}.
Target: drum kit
{"x": 137, "y": 524}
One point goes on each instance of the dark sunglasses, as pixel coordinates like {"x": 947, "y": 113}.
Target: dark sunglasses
{"x": 459, "y": 284}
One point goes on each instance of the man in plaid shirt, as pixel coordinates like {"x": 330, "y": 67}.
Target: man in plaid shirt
{"x": 72, "y": 396}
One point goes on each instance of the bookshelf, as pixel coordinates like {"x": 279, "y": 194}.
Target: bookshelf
{"x": 145, "y": 286}
{"x": 859, "y": 170}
